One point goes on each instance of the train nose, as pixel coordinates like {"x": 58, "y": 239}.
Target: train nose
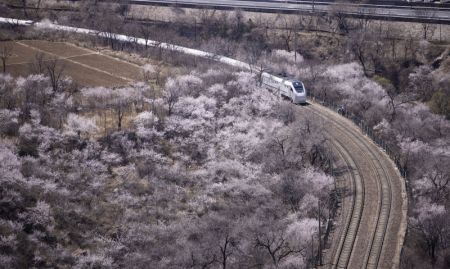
{"x": 300, "y": 99}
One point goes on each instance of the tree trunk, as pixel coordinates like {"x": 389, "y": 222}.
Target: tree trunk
{"x": 119, "y": 122}
{"x": 393, "y": 48}
{"x": 24, "y": 6}
{"x": 433, "y": 251}
{"x": 288, "y": 47}
{"x": 224, "y": 254}
{"x": 425, "y": 30}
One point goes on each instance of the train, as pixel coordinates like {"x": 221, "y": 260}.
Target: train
{"x": 290, "y": 88}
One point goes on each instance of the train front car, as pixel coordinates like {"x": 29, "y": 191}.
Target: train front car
{"x": 299, "y": 92}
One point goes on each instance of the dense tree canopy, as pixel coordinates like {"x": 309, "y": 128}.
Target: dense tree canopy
{"x": 207, "y": 176}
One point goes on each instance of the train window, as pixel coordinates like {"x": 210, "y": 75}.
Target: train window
{"x": 298, "y": 86}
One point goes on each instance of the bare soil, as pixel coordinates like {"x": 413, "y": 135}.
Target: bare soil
{"x": 111, "y": 65}
{"x": 86, "y": 67}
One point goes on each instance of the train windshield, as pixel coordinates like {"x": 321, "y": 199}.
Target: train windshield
{"x": 298, "y": 86}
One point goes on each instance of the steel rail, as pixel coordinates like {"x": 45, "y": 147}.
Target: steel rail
{"x": 347, "y": 238}
{"x": 373, "y": 253}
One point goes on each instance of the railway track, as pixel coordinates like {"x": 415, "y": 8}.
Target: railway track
{"x": 373, "y": 224}
{"x": 354, "y": 204}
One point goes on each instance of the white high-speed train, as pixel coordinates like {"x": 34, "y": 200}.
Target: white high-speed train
{"x": 290, "y": 88}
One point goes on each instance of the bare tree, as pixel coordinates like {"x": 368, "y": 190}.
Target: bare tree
{"x": 315, "y": 70}
{"x": 287, "y": 31}
{"x": 409, "y": 48}
{"x": 37, "y": 66}
{"x": 24, "y": 7}
{"x": 238, "y": 24}
{"x": 427, "y": 28}
{"x": 253, "y": 56}
{"x": 55, "y": 69}
{"x": 364, "y": 19}
{"x": 171, "y": 96}
{"x": 8, "y": 98}
{"x": 338, "y": 10}
{"x": 275, "y": 243}
{"x": 392, "y": 36}
{"x": 431, "y": 225}
{"x": 146, "y": 31}
{"x": 439, "y": 178}
{"x": 109, "y": 28}
{"x": 121, "y": 107}
{"x": 38, "y": 7}
{"x": 396, "y": 98}
{"x": 5, "y": 53}
{"x": 421, "y": 83}
{"x": 292, "y": 190}
{"x": 121, "y": 101}
{"x": 261, "y": 69}
{"x": 123, "y": 7}
{"x": 279, "y": 144}
{"x": 110, "y": 24}
{"x": 4, "y": 8}
{"x": 361, "y": 48}
{"x": 159, "y": 73}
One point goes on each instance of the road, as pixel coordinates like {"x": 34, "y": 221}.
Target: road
{"x": 372, "y": 219}
{"x": 406, "y": 13}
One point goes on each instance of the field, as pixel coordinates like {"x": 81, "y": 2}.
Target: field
{"x": 86, "y": 67}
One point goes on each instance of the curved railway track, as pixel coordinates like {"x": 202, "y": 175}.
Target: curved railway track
{"x": 354, "y": 204}
{"x": 373, "y": 223}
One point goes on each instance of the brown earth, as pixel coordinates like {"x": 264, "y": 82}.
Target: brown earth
{"x": 86, "y": 67}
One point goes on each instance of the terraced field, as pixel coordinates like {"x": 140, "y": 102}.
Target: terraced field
{"x": 85, "y": 66}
